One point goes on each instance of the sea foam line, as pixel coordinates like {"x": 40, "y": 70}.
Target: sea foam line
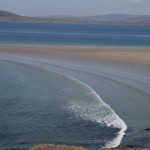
{"x": 94, "y": 112}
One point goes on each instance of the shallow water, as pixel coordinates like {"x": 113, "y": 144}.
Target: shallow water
{"x": 38, "y": 106}
{"x": 118, "y": 88}
{"x": 83, "y": 110}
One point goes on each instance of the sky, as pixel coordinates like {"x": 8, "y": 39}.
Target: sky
{"x": 75, "y": 7}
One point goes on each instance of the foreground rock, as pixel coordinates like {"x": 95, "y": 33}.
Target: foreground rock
{"x": 55, "y": 147}
{"x": 64, "y": 147}
{"x": 148, "y": 129}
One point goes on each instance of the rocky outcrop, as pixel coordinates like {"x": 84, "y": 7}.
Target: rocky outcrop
{"x": 64, "y": 147}
{"x": 55, "y": 147}
{"x": 148, "y": 129}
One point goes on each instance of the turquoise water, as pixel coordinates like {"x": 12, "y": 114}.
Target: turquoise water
{"x": 74, "y": 34}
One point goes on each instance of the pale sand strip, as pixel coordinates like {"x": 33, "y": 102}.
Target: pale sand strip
{"x": 116, "y": 54}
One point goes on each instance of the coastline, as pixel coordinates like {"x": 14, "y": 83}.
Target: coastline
{"x": 133, "y": 60}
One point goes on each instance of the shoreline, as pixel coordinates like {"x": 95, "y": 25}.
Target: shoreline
{"x": 76, "y": 46}
{"x": 78, "y": 22}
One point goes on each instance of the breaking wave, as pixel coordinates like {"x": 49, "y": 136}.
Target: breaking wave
{"x": 95, "y": 109}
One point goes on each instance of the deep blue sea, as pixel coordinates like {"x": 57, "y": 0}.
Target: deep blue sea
{"x": 74, "y": 34}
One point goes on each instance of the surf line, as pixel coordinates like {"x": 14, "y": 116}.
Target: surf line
{"x": 116, "y": 122}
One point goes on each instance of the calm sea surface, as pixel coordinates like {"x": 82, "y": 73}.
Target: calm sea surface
{"x": 74, "y": 34}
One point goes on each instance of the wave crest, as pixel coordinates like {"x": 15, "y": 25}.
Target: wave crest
{"x": 95, "y": 109}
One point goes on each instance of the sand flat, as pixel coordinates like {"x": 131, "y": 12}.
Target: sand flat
{"x": 115, "y": 54}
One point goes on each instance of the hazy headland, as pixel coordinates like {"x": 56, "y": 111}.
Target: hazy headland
{"x": 112, "y": 19}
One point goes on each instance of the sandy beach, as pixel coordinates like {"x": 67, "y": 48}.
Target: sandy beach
{"x": 116, "y": 54}
{"x": 131, "y": 60}
{"x": 121, "y": 76}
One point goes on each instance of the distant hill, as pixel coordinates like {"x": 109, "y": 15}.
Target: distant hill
{"x": 108, "y": 18}
{"x": 117, "y": 19}
{"x": 120, "y": 18}
{"x": 58, "y": 16}
{"x": 7, "y": 14}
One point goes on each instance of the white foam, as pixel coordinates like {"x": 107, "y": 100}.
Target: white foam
{"x": 100, "y": 112}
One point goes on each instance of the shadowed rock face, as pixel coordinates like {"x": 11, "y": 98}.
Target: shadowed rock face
{"x": 55, "y": 147}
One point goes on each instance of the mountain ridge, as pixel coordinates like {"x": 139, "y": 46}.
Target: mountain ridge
{"x": 118, "y": 19}
{"x": 6, "y": 14}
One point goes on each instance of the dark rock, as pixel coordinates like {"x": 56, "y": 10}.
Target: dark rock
{"x": 131, "y": 146}
{"x": 148, "y": 129}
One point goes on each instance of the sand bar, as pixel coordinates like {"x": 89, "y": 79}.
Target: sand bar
{"x": 116, "y": 54}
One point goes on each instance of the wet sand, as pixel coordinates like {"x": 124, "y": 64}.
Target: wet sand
{"x": 116, "y": 54}
{"x": 124, "y": 59}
